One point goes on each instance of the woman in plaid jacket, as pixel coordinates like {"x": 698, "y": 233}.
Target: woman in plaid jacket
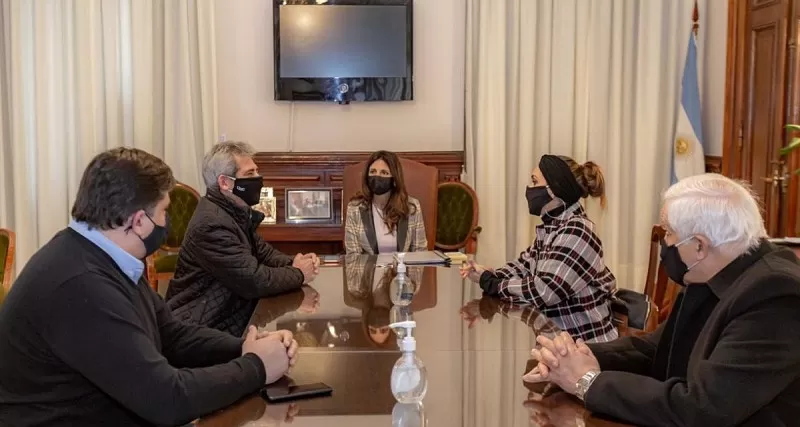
{"x": 382, "y": 218}
{"x": 563, "y": 272}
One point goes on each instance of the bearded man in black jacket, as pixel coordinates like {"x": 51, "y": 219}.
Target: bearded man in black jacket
{"x": 224, "y": 266}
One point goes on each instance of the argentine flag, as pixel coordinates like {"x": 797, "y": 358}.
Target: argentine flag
{"x": 688, "y": 156}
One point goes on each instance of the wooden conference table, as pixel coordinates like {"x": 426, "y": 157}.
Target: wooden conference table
{"x": 475, "y": 356}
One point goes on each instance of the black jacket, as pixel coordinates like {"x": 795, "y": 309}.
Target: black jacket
{"x": 81, "y": 344}
{"x": 224, "y": 267}
{"x": 729, "y": 354}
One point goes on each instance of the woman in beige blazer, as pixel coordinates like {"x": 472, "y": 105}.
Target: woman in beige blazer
{"x": 382, "y": 218}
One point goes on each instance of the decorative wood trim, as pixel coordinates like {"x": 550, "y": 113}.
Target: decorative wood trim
{"x": 714, "y": 164}
{"x": 431, "y": 158}
{"x": 326, "y": 170}
{"x": 9, "y": 261}
{"x": 729, "y": 131}
{"x": 291, "y": 178}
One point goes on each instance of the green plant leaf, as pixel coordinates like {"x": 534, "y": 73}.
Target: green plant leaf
{"x": 797, "y": 172}
{"x": 793, "y": 127}
{"x": 793, "y": 145}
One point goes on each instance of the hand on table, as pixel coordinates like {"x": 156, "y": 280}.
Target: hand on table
{"x": 277, "y": 414}
{"x": 471, "y": 312}
{"x": 310, "y": 302}
{"x": 308, "y": 265}
{"x": 273, "y": 350}
{"x": 561, "y": 361}
{"x": 472, "y": 271}
{"x": 286, "y": 338}
{"x": 557, "y": 409}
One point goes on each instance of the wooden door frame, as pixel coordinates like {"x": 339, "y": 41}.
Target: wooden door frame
{"x": 789, "y": 211}
{"x": 736, "y": 98}
{"x": 731, "y": 134}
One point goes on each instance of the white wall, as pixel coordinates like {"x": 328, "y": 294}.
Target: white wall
{"x": 712, "y": 40}
{"x": 247, "y": 111}
{"x": 433, "y": 121}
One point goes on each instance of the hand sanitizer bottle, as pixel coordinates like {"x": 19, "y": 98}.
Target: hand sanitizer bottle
{"x": 401, "y": 289}
{"x": 409, "y": 377}
{"x": 408, "y": 415}
{"x": 399, "y": 314}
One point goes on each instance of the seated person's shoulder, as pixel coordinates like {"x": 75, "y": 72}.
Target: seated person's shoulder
{"x": 210, "y": 218}
{"x": 773, "y": 277}
{"x": 415, "y": 205}
{"x": 355, "y": 205}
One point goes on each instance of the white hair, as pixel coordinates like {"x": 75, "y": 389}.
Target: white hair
{"x": 221, "y": 160}
{"x": 717, "y": 207}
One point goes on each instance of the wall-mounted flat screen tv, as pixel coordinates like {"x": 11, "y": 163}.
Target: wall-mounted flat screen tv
{"x": 343, "y": 50}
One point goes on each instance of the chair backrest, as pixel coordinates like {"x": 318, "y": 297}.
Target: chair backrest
{"x": 183, "y": 202}
{"x": 421, "y": 183}
{"x": 658, "y": 287}
{"x": 457, "y": 217}
{"x": 7, "y": 246}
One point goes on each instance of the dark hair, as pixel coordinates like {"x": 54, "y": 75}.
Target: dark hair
{"x": 378, "y": 317}
{"x": 397, "y": 207}
{"x": 119, "y": 182}
{"x": 589, "y": 177}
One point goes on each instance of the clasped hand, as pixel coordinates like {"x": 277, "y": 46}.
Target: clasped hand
{"x": 308, "y": 264}
{"x": 276, "y": 349}
{"x": 561, "y": 361}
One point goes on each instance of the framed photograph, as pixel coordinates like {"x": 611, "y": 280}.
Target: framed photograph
{"x": 267, "y": 204}
{"x": 308, "y": 205}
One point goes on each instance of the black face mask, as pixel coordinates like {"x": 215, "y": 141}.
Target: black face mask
{"x": 248, "y": 189}
{"x": 380, "y": 185}
{"x": 673, "y": 264}
{"x": 156, "y": 238}
{"x": 537, "y": 198}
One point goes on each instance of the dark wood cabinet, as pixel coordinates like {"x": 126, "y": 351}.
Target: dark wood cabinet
{"x": 761, "y": 98}
{"x": 325, "y": 170}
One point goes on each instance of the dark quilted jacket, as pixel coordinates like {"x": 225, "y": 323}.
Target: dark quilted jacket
{"x": 224, "y": 267}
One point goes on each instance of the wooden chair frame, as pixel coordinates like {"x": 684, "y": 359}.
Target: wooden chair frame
{"x": 658, "y": 287}
{"x": 9, "y": 261}
{"x": 154, "y": 276}
{"x": 470, "y": 243}
{"x": 165, "y": 247}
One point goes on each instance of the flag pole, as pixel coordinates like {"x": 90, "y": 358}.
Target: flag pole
{"x": 695, "y": 20}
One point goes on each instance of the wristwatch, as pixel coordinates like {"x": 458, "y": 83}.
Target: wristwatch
{"x": 584, "y": 382}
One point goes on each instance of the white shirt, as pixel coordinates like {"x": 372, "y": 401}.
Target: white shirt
{"x": 387, "y": 242}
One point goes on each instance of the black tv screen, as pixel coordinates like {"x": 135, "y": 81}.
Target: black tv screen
{"x": 343, "y": 51}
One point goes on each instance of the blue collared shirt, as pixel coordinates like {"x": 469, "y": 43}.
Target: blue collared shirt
{"x": 132, "y": 267}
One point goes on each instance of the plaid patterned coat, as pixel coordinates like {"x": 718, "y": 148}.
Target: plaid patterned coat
{"x": 359, "y": 230}
{"x": 563, "y": 274}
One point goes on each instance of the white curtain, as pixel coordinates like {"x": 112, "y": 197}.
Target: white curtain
{"x": 595, "y": 80}
{"x": 82, "y": 76}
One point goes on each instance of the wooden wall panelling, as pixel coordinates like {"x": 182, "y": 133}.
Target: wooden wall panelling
{"x": 282, "y": 170}
{"x": 791, "y": 215}
{"x": 757, "y": 100}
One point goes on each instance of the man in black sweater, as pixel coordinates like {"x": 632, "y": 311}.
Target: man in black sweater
{"x": 85, "y": 341}
{"x": 728, "y": 354}
{"x": 224, "y": 267}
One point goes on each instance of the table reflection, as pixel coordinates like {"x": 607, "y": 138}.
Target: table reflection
{"x": 475, "y": 350}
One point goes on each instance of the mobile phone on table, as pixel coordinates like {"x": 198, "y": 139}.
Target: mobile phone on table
{"x": 284, "y": 391}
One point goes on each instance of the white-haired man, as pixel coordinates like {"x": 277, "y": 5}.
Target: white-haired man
{"x": 729, "y": 354}
{"x": 224, "y": 266}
